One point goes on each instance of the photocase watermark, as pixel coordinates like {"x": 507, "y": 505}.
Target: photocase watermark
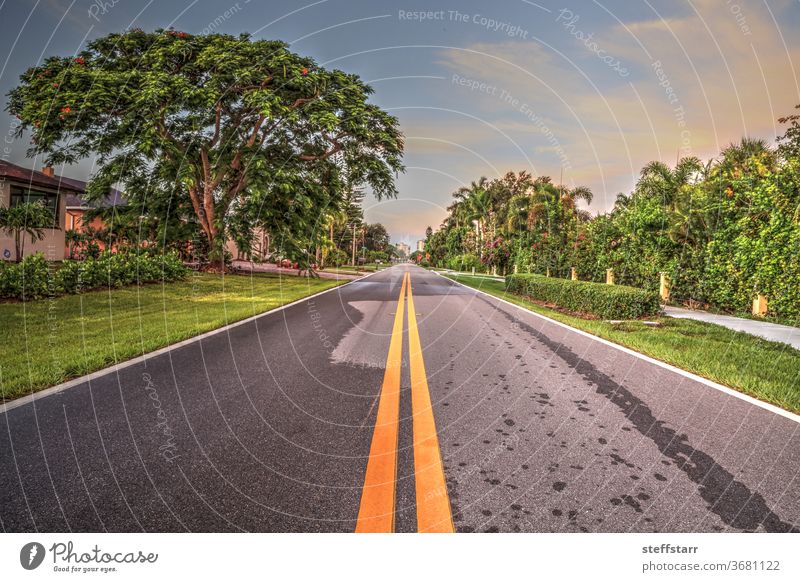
{"x": 31, "y": 555}
{"x": 101, "y": 8}
{"x": 568, "y": 19}
{"x": 319, "y": 329}
{"x": 741, "y": 21}
{"x": 520, "y": 106}
{"x": 677, "y": 108}
{"x": 69, "y": 560}
{"x": 168, "y": 449}
{"x": 531, "y": 115}
{"x": 9, "y": 138}
{"x": 497, "y": 26}
{"x": 224, "y": 17}
{"x": 474, "y": 85}
{"x": 53, "y": 319}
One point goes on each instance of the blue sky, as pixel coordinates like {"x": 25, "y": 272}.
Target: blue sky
{"x": 591, "y": 89}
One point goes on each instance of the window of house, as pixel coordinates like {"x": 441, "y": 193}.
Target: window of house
{"x": 50, "y": 199}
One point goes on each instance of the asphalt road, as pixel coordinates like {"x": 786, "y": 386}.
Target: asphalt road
{"x": 271, "y": 426}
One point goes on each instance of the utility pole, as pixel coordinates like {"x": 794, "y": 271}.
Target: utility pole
{"x": 354, "y": 244}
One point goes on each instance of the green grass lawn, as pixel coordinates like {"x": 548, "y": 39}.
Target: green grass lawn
{"x": 48, "y": 341}
{"x": 767, "y": 370}
{"x": 351, "y": 270}
{"x": 368, "y": 267}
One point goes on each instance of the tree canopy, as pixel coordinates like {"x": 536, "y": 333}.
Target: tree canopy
{"x": 214, "y": 124}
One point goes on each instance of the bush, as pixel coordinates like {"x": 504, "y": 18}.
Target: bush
{"x": 69, "y": 276}
{"x": 336, "y": 258}
{"x": 31, "y": 278}
{"x": 464, "y": 263}
{"x": 604, "y": 301}
{"x": 28, "y": 279}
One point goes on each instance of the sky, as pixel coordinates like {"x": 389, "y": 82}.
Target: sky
{"x": 587, "y": 90}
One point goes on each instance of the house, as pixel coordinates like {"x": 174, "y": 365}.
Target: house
{"x": 77, "y": 206}
{"x": 19, "y": 184}
{"x": 62, "y": 195}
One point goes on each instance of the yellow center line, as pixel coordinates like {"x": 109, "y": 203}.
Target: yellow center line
{"x": 433, "y": 501}
{"x": 376, "y": 513}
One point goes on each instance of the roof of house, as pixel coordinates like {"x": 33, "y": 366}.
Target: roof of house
{"x": 113, "y": 198}
{"x": 71, "y": 187}
{"x": 24, "y": 175}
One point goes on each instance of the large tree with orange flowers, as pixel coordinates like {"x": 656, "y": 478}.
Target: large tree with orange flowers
{"x": 218, "y": 124}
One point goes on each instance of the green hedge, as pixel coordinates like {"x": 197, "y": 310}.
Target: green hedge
{"x": 604, "y": 301}
{"x": 35, "y": 277}
{"x": 464, "y": 263}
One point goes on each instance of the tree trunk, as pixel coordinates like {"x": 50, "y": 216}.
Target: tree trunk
{"x": 213, "y": 241}
{"x": 205, "y": 211}
{"x": 19, "y": 246}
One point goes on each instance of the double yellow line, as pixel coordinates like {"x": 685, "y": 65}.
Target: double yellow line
{"x": 378, "y": 498}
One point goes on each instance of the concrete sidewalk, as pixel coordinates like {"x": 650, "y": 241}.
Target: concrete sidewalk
{"x": 771, "y": 331}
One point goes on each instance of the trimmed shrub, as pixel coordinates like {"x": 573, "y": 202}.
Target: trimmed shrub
{"x": 70, "y": 275}
{"x": 604, "y": 301}
{"x": 32, "y": 278}
{"x": 28, "y": 279}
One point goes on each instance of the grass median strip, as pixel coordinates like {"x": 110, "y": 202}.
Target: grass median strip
{"x": 766, "y": 370}
{"x": 51, "y": 340}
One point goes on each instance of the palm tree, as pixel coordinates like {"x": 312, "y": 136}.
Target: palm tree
{"x": 657, "y": 179}
{"x": 543, "y": 197}
{"x": 457, "y": 212}
{"x": 25, "y": 218}
{"x": 517, "y": 213}
{"x": 73, "y": 239}
{"x": 677, "y": 189}
{"x": 687, "y": 220}
{"x": 746, "y": 156}
{"x": 622, "y": 201}
{"x": 570, "y": 197}
{"x": 480, "y": 211}
{"x": 474, "y": 201}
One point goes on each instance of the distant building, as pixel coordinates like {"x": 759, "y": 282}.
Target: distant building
{"x": 420, "y": 245}
{"x": 403, "y": 249}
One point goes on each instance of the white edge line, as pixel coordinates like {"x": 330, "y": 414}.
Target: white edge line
{"x": 670, "y": 367}
{"x": 11, "y": 405}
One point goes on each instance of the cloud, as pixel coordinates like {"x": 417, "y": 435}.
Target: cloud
{"x": 723, "y": 74}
